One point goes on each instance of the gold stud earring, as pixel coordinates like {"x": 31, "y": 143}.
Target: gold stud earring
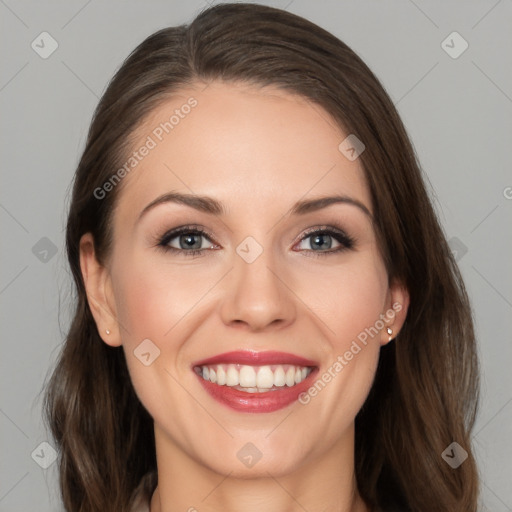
{"x": 390, "y": 332}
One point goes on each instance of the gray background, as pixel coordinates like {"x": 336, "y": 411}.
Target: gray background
{"x": 457, "y": 111}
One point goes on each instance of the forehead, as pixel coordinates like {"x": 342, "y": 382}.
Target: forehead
{"x": 244, "y": 145}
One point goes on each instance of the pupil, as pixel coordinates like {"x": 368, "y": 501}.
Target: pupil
{"x": 189, "y": 242}
{"x": 321, "y": 244}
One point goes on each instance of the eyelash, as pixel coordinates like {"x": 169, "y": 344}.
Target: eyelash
{"x": 345, "y": 240}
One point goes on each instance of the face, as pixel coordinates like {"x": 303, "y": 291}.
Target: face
{"x": 251, "y": 318}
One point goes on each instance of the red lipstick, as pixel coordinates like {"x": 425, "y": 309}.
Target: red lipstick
{"x": 250, "y": 357}
{"x": 274, "y": 399}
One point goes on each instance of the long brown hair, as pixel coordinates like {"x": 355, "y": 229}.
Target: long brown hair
{"x": 425, "y": 392}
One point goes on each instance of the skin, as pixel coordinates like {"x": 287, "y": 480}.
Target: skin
{"x": 258, "y": 151}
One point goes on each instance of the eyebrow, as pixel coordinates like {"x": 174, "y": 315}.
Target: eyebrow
{"x": 213, "y": 207}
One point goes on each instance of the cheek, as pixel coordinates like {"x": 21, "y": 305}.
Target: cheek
{"x": 349, "y": 300}
{"x": 157, "y": 302}
{"x": 357, "y": 304}
{"x": 151, "y": 299}
{"x": 350, "y": 307}
{"x": 148, "y": 305}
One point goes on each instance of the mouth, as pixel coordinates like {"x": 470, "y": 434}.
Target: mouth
{"x": 249, "y": 381}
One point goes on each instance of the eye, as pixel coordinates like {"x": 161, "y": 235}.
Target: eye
{"x": 322, "y": 238}
{"x": 186, "y": 240}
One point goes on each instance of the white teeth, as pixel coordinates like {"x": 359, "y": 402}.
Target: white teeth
{"x": 250, "y": 390}
{"x": 290, "y": 376}
{"x": 221, "y": 376}
{"x": 232, "y": 376}
{"x": 265, "y": 377}
{"x": 279, "y": 379}
{"x": 254, "y": 379}
{"x": 247, "y": 377}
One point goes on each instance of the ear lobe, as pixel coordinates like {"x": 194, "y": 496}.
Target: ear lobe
{"x": 396, "y": 312}
{"x": 98, "y": 288}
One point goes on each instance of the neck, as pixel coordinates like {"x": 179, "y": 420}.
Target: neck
{"x": 325, "y": 483}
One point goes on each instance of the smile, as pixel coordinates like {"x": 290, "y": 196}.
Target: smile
{"x": 254, "y": 379}
{"x": 255, "y": 387}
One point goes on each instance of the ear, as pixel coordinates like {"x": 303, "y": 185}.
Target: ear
{"x": 395, "y": 313}
{"x": 98, "y": 287}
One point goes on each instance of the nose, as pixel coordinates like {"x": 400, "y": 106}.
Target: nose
{"x": 256, "y": 295}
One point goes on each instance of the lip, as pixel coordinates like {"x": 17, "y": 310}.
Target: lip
{"x": 249, "y": 357}
{"x": 269, "y": 401}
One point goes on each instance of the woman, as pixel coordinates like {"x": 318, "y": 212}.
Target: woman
{"x": 268, "y": 314}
